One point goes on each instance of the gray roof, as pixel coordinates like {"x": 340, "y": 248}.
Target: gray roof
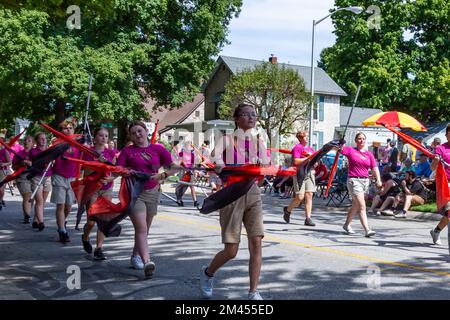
{"x": 323, "y": 84}
{"x": 358, "y": 115}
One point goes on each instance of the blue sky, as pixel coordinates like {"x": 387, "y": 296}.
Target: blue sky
{"x": 282, "y": 28}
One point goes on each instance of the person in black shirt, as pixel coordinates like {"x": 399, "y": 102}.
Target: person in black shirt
{"x": 393, "y": 157}
{"x": 414, "y": 193}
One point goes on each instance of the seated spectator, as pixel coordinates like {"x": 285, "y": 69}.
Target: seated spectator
{"x": 321, "y": 172}
{"x": 407, "y": 166}
{"x": 436, "y": 142}
{"x": 423, "y": 168}
{"x": 386, "y": 197}
{"x": 414, "y": 193}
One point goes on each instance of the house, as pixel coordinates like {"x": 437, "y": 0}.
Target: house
{"x": 328, "y": 93}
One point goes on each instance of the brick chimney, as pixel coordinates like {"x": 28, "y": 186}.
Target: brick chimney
{"x": 273, "y": 59}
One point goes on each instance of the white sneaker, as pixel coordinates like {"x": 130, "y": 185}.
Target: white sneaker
{"x": 387, "y": 213}
{"x": 436, "y": 237}
{"x": 400, "y": 214}
{"x": 206, "y": 284}
{"x": 136, "y": 262}
{"x": 348, "y": 229}
{"x": 254, "y": 296}
{"x": 370, "y": 233}
{"x": 149, "y": 269}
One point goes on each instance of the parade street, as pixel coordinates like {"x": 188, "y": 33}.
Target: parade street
{"x": 299, "y": 262}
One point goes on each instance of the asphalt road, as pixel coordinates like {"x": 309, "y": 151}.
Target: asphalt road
{"x": 299, "y": 262}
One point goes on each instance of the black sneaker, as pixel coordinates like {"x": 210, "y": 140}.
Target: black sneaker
{"x": 26, "y": 219}
{"x": 180, "y": 203}
{"x": 35, "y": 225}
{"x": 99, "y": 255}
{"x": 3, "y": 203}
{"x": 63, "y": 237}
{"x": 86, "y": 245}
{"x": 41, "y": 226}
{"x": 196, "y": 204}
{"x": 286, "y": 215}
{"x": 309, "y": 222}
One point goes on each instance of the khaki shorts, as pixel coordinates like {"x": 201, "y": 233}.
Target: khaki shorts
{"x": 62, "y": 192}
{"x": 147, "y": 202}
{"x": 24, "y": 185}
{"x": 2, "y": 174}
{"x": 46, "y": 183}
{"x": 358, "y": 185}
{"x": 308, "y": 185}
{"x": 248, "y": 210}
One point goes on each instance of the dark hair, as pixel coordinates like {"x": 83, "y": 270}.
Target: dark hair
{"x": 175, "y": 143}
{"x": 447, "y": 129}
{"x": 386, "y": 176}
{"x": 207, "y": 142}
{"x": 97, "y": 130}
{"x": 136, "y": 123}
{"x": 411, "y": 173}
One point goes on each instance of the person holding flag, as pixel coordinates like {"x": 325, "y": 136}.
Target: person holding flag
{"x": 148, "y": 158}
{"x": 64, "y": 172}
{"x": 360, "y": 161}
{"x": 23, "y": 184}
{"x": 42, "y": 184}
{"x": 442, "y": 152}
{"x": 245, "y": 210}
{"x": 106, "y": 155}
{"x": 5, "y": 161}
{"x": 306, "y": 190}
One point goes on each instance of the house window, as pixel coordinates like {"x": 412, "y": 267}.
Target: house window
{"x": 169, "y": 138}
{"x": 217, "y": 99}
{"x": 197, "y": 114}
{"x": 319, "y": 110}
{"x": 317, "y": 140}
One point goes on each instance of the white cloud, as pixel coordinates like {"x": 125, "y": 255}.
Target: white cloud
{"x": 281, "y": 27}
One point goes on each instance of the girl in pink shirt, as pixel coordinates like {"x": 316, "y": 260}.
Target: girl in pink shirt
{"x": 45, "y": 185}
{"x": 149, "y": 158}
{"x": 360, "y": 161}
{"x": 106, "y": 154}
{"x": 5, "y": 161}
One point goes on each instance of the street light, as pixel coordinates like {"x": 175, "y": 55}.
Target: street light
{"x": 356, "y": 10}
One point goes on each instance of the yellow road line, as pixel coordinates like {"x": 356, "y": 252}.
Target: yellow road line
{"x": 310, "y": 246}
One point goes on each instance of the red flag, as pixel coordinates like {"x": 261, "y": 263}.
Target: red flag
{"x": 286, "y": 151}
{"x": 442, "y": 191}
{"x": 416, "y": 144}
{"x": 12, "y": 176}
{"x": 153, "y": 140}
{"x": 11, "y": 150}
{"x": 14, "y": 139}
{"x": 208, "y": 163}
{"x": 99, "y": 166}
{"x": 332, "y": 172}
{"x": 71, "y": 141}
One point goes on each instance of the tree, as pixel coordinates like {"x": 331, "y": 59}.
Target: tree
{"x": 161, "y": 48}
{"x": 396, "y": 73}
{"x": 278, "y": 94}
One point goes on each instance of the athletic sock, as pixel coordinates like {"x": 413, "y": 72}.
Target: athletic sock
{"x": 437, "y": 229}
{"x": 206, "y": 272}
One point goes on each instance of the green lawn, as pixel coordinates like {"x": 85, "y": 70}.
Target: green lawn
{"x": 427, "y": 207}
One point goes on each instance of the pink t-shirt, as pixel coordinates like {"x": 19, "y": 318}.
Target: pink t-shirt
{"x": 34, "y": 152}
{"x": 66, "y": 168}
{"x": 299, "y": 150}
{"x": 359, "y": 162}
{"x": 444, "y": 151}
{"x": 3, "y": 154}
{"x": 17, "y": 147}
{"x": 26, "y": 155}
{"x": 109, "y": 155}
{"x": 145, "y": 159}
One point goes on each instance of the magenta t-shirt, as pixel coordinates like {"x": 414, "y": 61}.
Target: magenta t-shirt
{"x": 34, "y": 152}
{"x": 3, "y": 153}
{"x": 109, "y": 155}
{"x": 298, "y": 151}
{"x": 145, "y": 159}
{"x": 66, "y": 168}
{"x": 17, "y": 147}
{"x": 22, "y": 153}
{"x": 359, "y": 162}
{"x": 444, "y": 151}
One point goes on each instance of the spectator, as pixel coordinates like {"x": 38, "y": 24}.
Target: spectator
{"x": 393, "y": 157}
{"x": 408, "y": 152}
{"x": 321, "y": 172}
{"x": 386, "y": 196}
{"x": 423, "y": 168}
{"x": 418, "y": 152}
{"x": 385, "y": 152}
{"x": 407, "y": 166}
{"x": 414, "y": 193}
{"x": 436, "y": 142}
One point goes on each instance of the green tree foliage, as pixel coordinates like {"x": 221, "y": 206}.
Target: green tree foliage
{"x": 161, "y": 48}
{"x": 277, "y": 92}
{"x": 396, "y": 71}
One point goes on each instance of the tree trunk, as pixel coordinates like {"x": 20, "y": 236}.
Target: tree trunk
{"x": 60, "y": 112}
